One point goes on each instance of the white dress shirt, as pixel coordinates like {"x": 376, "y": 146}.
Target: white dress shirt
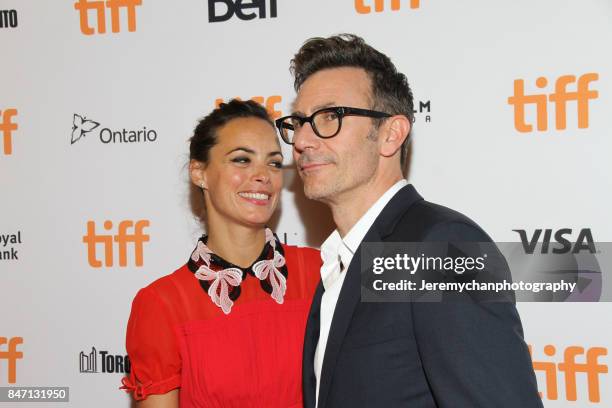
{"x": 337, "y": 251}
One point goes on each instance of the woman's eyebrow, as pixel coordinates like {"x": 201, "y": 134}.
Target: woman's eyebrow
{"x": 245, "y": 149}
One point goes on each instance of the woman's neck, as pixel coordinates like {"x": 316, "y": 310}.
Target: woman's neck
{"x": 238, "y": 244}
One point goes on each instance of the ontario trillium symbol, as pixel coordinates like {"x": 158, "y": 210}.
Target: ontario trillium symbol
{"x": 80, "y": 126}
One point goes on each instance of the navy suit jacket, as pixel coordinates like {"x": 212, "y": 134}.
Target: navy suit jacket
{"x": 418, "y": 355}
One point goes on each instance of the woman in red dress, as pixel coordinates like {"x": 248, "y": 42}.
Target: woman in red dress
{"x": 227, "y": 328}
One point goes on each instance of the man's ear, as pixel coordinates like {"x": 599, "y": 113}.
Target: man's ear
{"x": 395, "y": 131}
{"x": 197, "y": 173}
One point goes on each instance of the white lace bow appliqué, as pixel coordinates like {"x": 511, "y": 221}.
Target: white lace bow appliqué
{"x": 271, "y": 268}
{"x": 223, "y": 278}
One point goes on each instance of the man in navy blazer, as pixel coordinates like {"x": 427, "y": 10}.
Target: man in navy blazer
{"x": 349, "y": 130}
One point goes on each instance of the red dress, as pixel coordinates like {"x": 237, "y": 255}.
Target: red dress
{"x": 252, "y": 357}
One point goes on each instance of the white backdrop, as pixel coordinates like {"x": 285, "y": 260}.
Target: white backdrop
{"x": 461, "y": 57}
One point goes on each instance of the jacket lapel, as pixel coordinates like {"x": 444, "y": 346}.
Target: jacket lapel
{"x": 311, "y": 339}
{"x": 350, "y": 294}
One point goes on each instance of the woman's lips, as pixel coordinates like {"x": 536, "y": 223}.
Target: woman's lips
{"x": 257, "y": 198}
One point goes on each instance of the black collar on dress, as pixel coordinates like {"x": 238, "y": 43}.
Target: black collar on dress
{"x": 217, "y": 263}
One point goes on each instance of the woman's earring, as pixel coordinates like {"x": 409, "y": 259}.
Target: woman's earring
{"x": 202, "y": 185}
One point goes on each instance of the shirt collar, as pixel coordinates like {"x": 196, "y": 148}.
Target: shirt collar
{"x": 335, "y": 246}
{"x": 331, "y": 247}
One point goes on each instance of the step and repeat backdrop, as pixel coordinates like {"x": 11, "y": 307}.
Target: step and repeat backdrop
{"x": 99, "y": 97}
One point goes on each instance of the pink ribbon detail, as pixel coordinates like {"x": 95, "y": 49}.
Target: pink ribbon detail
{"x": 270, "y": 238}
{"x": 201, "y": 252}
{"x": 223, "y": 278}
{"x": 270, "y": 268}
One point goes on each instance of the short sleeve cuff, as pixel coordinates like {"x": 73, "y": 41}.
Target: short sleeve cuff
{"x": 140, "y": 391}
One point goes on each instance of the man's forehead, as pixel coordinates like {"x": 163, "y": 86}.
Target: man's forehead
{"x": 332, "y": 87}
{"x": 306, "y": 110}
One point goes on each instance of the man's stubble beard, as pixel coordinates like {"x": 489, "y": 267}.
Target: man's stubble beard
{"x": 328, "y": 191}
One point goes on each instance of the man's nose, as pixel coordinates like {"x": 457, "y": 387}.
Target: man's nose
{"x": 305, "y": 138}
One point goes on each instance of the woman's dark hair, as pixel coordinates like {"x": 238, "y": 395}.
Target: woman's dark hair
{"x": 390, "y": 91}
{"x": 205, "y": 133}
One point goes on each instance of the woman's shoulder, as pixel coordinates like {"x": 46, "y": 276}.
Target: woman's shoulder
{"x": 168, "y": 286}
{"x": 307, "y": 261}
{"x": 304, "y": 251}
{"x": 306, "y": 254}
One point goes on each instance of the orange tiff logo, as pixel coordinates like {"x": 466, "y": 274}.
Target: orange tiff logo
{"x": 270, "y": 103}
{"x": 11, "y": 355}
{"x": 122, "y": 238}
{"x": 84, "y": 6}
{"x": 589, "y": 365}
{"x": 559, "y": 98}
{"x": 379, "y": 5}
{"x": 7, "y": 126}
